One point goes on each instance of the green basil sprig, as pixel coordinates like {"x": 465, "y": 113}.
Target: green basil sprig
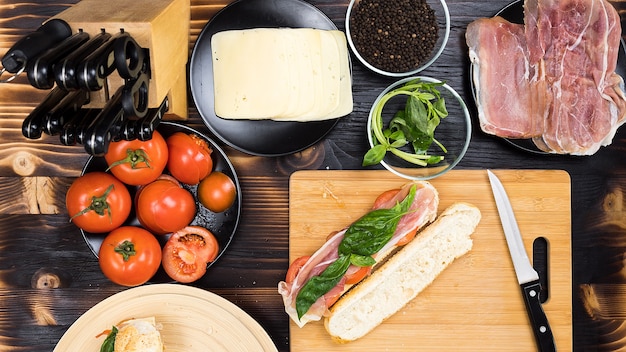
{"x": 362, "y": 239}
{"x": 414, "y": 125}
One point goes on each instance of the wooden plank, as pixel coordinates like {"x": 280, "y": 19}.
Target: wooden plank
{"x": 476, "y": 303}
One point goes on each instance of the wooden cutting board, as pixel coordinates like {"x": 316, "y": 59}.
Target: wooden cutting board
{"x": 475, "y": 304}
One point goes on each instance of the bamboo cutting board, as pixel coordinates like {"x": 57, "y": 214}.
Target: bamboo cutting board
{"x": 475, "y": 304}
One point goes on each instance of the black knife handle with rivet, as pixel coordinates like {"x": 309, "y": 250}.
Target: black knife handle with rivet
{"x": 40, "y": 70}
{"x": 35, "y": 43}
{"x": 94, "y": 69}
{"x": 105, "y": 127}
{"x": 538, "y": 319}
{"x": 33, "y": 124}
{"x": 65, "y": 72}
{"x": 69, "y": 106}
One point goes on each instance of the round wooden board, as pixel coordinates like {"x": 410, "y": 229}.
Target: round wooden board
{"x": 190, "y": 319}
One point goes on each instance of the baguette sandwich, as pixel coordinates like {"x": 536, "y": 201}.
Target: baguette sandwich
{"x": 398, "y": 251}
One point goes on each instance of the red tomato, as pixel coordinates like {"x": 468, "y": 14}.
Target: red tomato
{"x": 189, "y": 157}
{"x": 358, "y": 275}
{"x": 163, "y": 206}
{"x": 407, "y": 238}
{"x": 217, "y": 192}
{"x": 137, "y": 162}
{"x": 187, "y": 252}
{"x": 385, "y": 197}
{"x": 129, "y": 256}
{"x": 295, "y": 267}
{"x": 98, "y": 202}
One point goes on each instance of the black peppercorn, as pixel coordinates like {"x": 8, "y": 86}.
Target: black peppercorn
{"x": 394, "y": 35}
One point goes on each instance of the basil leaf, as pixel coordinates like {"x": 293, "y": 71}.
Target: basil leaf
{"x": 374, "y": 155}
{"x": 319, "y": 285}
{"x": 416, "y": 116}
{"x": 362, "y": 260}
{"x": 370, "y": 233}
{"x": 417, "y": 121}
{"x": 440, "y": 107}
{"x": 109, "y": 343}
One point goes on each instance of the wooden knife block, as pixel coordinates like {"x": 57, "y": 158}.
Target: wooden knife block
{"x": 161, "y": 26}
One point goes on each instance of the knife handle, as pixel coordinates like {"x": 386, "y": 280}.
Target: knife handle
{"x": 538, "y": 319}
{"x": 35, "y": 43}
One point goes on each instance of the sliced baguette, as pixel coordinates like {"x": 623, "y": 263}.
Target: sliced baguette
{"x": 404, "y": 275}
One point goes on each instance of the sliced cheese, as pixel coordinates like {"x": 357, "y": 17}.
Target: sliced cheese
{"x": 299, "y": 74}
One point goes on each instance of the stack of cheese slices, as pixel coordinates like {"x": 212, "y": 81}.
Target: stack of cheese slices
{"x": 284, "y": 74}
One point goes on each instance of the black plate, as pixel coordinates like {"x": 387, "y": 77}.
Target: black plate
{"x": 222, "y": 225}
{"x": 514, "y": 12}
{"x": 256, "y": 137}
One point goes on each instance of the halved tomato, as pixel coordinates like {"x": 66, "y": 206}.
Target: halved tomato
{"x": 187, "y": 253}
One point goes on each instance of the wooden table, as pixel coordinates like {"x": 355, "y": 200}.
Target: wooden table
{"x": 48, "y": 276}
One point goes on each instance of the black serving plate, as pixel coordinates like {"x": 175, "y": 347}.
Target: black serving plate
{"x": 514, "y": 12}
{"x": 222, "y": 225}
{"x": 256, "y": 137}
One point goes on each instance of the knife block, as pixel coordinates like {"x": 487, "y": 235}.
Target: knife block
{"x": 161, "y": 26}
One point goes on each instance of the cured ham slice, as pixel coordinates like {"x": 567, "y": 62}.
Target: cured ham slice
{"x": 552, "y": 79}
{"x": 422, "y": 211}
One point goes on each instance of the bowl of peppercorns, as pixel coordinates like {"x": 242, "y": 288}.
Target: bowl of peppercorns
{"x": 397, "y": 38}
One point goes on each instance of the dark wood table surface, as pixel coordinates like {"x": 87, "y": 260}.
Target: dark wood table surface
{"x": 49, "y": 277}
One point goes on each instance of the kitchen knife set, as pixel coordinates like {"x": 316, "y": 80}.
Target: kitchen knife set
{"x": 72, "y": 65}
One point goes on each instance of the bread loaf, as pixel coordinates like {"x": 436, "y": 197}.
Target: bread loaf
{"x": 404, "y": 275}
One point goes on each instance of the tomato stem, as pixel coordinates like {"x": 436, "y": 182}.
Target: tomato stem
{"x": 126, "y": 249}
{"x": 98, "y": 204}
{"x": 134, "y": 157}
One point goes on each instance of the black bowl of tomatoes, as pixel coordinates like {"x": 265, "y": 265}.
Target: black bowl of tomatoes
{"x": 179, "y": 188}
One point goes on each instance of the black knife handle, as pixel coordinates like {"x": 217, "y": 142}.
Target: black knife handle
{"x": 40, "y": 70}
{"x": 35, "y": 43}
{"x": 105, "y": 127}
{"x": 65, "y": 72}
{"x": 129, "y": 57}
{"x": 538, "y": 319}
{"x": 33, "y": 124}
{"x": 94, "y": 69}
{"x": 64, "y": 110}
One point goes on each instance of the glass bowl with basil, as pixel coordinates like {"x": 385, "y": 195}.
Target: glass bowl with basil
{"x": 418, "y": 128}
{"x": 397, "y": 38}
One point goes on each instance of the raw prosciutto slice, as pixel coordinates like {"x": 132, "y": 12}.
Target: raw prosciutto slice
{"x": 552, "y": 79}
{"x": 423, "y": 210}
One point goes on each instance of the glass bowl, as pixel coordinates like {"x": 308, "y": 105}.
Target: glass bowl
{"x": 442, "y": 16}
{"x": 453, "y": 132}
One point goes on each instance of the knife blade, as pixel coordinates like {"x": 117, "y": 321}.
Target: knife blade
{"x": 527, "y": 276}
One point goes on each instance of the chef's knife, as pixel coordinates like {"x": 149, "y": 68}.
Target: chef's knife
{"x": 527, "y": 277}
